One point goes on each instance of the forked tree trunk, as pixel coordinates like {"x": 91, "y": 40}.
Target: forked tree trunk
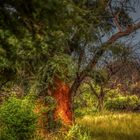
{"x": 64, "y": 95}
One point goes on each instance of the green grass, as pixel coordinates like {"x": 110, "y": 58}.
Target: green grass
{"x": 118, "y": 126}
{"x": 105, "y": 126}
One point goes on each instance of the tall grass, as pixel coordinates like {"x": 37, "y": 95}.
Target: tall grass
{"x": 105, "y": 126}
{"x": 113, "y": 126}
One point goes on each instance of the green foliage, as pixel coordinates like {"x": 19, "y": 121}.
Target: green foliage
{"x": 32, "y": 54}
{"x": 119, "y": 50}
{"x": 52, "y": 124}
{"x": 121, "y": 103}
{"x": 37, "y": 41}
{"x": 75, "y": 132}
{"x": 99, "y": 77}
{"x": 60, "y": 66}
{"x": 113, "y": 93}
{"x": 17, "y": 119}
{"x": 78, "y": 132}
{"x": 85, "y": 103}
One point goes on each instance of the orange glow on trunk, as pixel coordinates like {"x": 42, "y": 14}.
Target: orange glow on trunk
{"x": 63, "y": 99}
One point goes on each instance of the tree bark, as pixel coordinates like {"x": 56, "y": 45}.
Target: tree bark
{"x": 63, "y": 99}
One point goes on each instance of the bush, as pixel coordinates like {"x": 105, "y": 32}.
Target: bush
{"x": 17, "y": 119}
{"x": 85, "y": 104}
{"x": 78, "y": 132}
{"x": 122, "y": 103}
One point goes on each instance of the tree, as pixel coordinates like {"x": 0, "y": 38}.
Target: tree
{"x": 41, "y": 38}
{"x": 127, "y": 78}
{"x": 116, "y": 11}
{"x": 99, "y": 80}
{"x": 33, "y": 44}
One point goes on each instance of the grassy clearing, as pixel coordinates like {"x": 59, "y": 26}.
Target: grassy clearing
{"x": 105, "y": 126}
{"x": 113, "y": 126}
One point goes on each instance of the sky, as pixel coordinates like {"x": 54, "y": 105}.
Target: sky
{"x": 136, "y": 16}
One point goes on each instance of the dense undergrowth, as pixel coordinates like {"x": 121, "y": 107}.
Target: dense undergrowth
{"x": 19, "y": 121}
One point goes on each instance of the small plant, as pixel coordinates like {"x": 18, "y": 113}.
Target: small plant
{"x": 18, "y": 121}
{"x": 78, "y": 132}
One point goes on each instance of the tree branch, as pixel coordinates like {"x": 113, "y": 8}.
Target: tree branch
{"x": 92, "y": 88}
{"x": 130, "y": 29}
{"x": 115, "y": 16}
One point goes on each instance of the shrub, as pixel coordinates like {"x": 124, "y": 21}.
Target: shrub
{"x": 78, "y": 132}
{"x": 85, "y": 104}
{"x": 122, "y": 103}
{"x": 18, "y": 121}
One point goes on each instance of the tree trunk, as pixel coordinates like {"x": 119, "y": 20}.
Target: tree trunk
{"x": 101, "y": 99}
{"x": 100, "y": 103}
{"x": 62, "y": 96}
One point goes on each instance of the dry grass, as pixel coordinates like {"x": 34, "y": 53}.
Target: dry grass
{"x": 118, "y": 126}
